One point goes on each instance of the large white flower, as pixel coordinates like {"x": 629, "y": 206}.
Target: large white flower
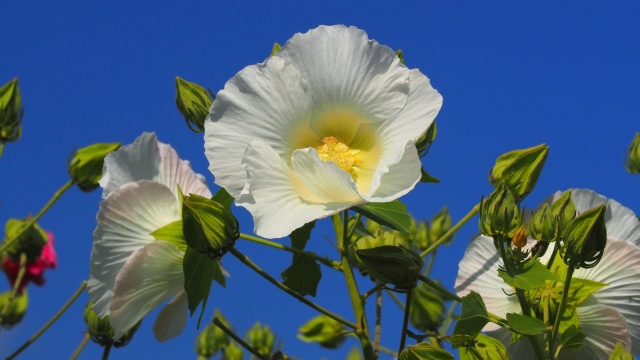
{"x": 327, "y": 123}
{"x": 608, "y": 316}
{"x": 131, "y": 271}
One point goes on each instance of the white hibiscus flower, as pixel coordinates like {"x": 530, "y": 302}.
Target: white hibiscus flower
{"x": 327, "y": 123}
{"x": 608, "y": 316}
{"x": 131, "y": 271}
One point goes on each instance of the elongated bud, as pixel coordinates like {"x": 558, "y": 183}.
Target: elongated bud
{"x": 544, "y": 226}
{"x": 208, "y": 226}
{"x": 13, "y": 310}
{"x": 193, "y": 102}
{"x": 392, "y": 265}
{"x": 427, "y": 308}
{"x": 324, "y": 331}
{"x": 11, "y": 112}
{"x": 440, "y": 224}
{"x": 499, "y": 214}
{"x": 424, "y": 142}
{"x": 85, "y": 165}
{"x": 520, "y": 237}
{"x": 585, "y": 239}
{"x": 519, "y": 169}
{"x": 633, "y": 161}
{"x": 564, "y": 210}
{"x": 31, "y": 242}
{"x": 101, "y": 330}
{"x": 262, "y": 339}
{"x": 212, "y": 339}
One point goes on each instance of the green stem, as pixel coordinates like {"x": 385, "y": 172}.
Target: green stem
{"x": 16, "y": 285}
{"x": 553, "y": 254}
{"x": 451, "y": 231}
{"x": 388, "y": 351}
{"x": 237, "y": 339}
{"x": 431, "y": 261}
{"x": 376, "y": 339}
{"x": 405, "y": 321}
{"x": 107, "y": 350}
{"x": 328, "y": 262}
{"x": 245, "y": 260}
{"x": 8, "y": 242}
{"x": 50, "y": 322}
{"x": 561, "y": 307}
{"x": 80, "y": 347}
{"x": 357, "y": 301}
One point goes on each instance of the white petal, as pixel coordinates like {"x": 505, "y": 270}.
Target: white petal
{"x": 478, "y": 271}
{"x": 174, "y": 171}
{"x": 272, "y": 195}
{"x": 344, "y": 68}
{"x": 150, "y": 276}
{"x": 603, "y": 327}
{"x": 172, "y": 318}
{"x": 401, "y": 178}
{"x": 408, "y": 125}
{"x": 125, "y": 219}
{"x": 266, "y": 102}
{"x": 326, "y": 181}
{"x": 620, "y": 269}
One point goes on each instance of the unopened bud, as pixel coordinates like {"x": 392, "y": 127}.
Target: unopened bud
{"x": 425, "y": 140}
{"x": 212, "y": 339}
{"x": 440, "y": 225}
{"x": 13, "y": 307}
{"x": 392, "y": 265}
{"x": 262, "y": 339}
{"x": 544, "y": 226}
{"x": 85, "y": 165}
{"x": 519, "y": 169}
{"x": 101, "y": 331}
{"x": 585, "y": 239}
{"x": 564, "y": 210}
{"x": 193, "y": 102}
{"x": 208, "y": 226}
{"x": 499, "y": 214}
{"x": 520, "y": 237}
{"x": 324, "y": 330}
{"x": 276, "y": 48}
{"x": 633, "y": 161}
{"x": 31, "y": 242}
{"x": 11, "y": 112}
{"x": 232, "y": 352}
{"x": 400, "y": 56}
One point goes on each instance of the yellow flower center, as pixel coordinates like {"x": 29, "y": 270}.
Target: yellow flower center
{"x": 338, "y": 152}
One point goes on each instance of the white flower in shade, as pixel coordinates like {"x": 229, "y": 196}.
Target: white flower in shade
{"x": 327, "y": 123}
{"x": 131, "y": 272}
{"x": 608, "y": 316}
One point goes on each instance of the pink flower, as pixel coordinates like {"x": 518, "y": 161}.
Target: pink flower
{"x": 35, "y": 269}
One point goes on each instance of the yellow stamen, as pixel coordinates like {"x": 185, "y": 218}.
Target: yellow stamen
{"x": 338, "y": 152}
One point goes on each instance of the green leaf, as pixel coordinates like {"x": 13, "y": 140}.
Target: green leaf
{"x": 427, "y": 178}
{"x": 473, "y": 317}
{"x": 459, "y": 340}
{"x": 532, "y": 276}
{"x": 486, "y": 348}
{"x": 300, "y": 236}
{"x": 424, "y": 351}
{"x": 527, "y": 325}
{"x": 172, "y": 233}
{"x": 223, "y": 198}
{"x": 620, "y": 353}
{"x": 572, "y": 338}
{"x": 303, "y": 275}
{"x": 580, "y": 289}
{"x": 391, "y": 214}
{"x": 199, "y": 272}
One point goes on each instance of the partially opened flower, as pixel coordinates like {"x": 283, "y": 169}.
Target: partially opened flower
{"x": 34, "y": 271}
{"x": 328, "y": 122}
{"x": 609, "y": 315}
{"x": 132, "y": 272}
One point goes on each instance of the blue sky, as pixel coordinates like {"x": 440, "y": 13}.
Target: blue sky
{"x": 512, "y": 75}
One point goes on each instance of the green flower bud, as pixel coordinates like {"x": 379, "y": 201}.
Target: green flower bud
{"x": 233, "y": 352}
{"x": 425, "y": 140}
{"x": 499, "y": 214}
{"x": 262, "y": 339}
{"x": 85, "y": 165}
{"x": 400, "y": 56}
{"x": 275, "y": 49}
{"x": 193, "y": 102}
{"x": 30, "y": 242}
{"x": 14, "y": 309}
{"x": 440, "y": 224}
{"x": 585, "y": 239}
{"x": 633, "y": 161}
{"x": 323, "y": 330}
{"x": 208, "y": 226}
{"x": 420, "y": 235}
{"x": 374, "y": 236}
{"x": 101, "y": 330}
{"x": 11, "y": 112}
{"x": 427, "y": 308}
{"x": 564, "y": 210}
{"x": 519, "y": 169}
{"x": 392, "y": 265}
{"x": 212, "y": 339}
{"x": 544, "y": 226}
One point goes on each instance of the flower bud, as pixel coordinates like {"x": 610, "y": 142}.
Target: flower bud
{"x": 101, "y": 331}
{"x": 440, "y": 224}
{"x": 212, "y": 339}
{"x": 499, "y": 214}
{"x": 11, "y": 112}
{"x": 275, "y": 49}
{"x": 232, "y": 352}
{"x": 519, "y": 239}
{"x": 323, "y": 330}
{"x": 564, "y": 210}
{"x": 193, "y": 102}
{"x": 544, "y": 226}
{"x": 420, "y": 235}
{"x": 85, "y": 165}
{"x": 633, "y": 161}
{"x": 14, "y": 309}
{"x": 425, "y": 140}
{"x": 262, "y": 339}
{"x": 31, "y": 242}
{"x": 427, "y": 308}
{"x": 585, "y": 239}
{"x": 519, "y": 169}
{"x": 392, "y": 265}
{"x": 208, "y": 226}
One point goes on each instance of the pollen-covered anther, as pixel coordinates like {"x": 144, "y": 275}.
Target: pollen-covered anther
{"x": 338, "y": 152}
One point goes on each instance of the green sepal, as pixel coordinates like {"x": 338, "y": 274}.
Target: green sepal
{"x": 473, "y": 317}
{"x": 172, "y": 233}
{"x": 572, "y": 338}
{"x": 424, "y": 351}
{"x": 208, "y": 226}
{"x": 620, "y": 353}
{"x": 392, "y": 214}
{"x": 459, "y": 340}
{"x": 527, "y": 325}
{"x": 85, "y": 164}
{"x": 275, "y": 49}
{"x": 199, "y": 272}
{"x": 193, "y": 102}
{"x": 532, "y": 275}
{"x": 31, "y": 242}
{"x": 425, "y": 177}
{"x": 223, "y": 198}
{"x": 486, "y": 348}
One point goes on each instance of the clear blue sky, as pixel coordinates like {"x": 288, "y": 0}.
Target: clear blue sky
{"x": 512, "y": 76}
